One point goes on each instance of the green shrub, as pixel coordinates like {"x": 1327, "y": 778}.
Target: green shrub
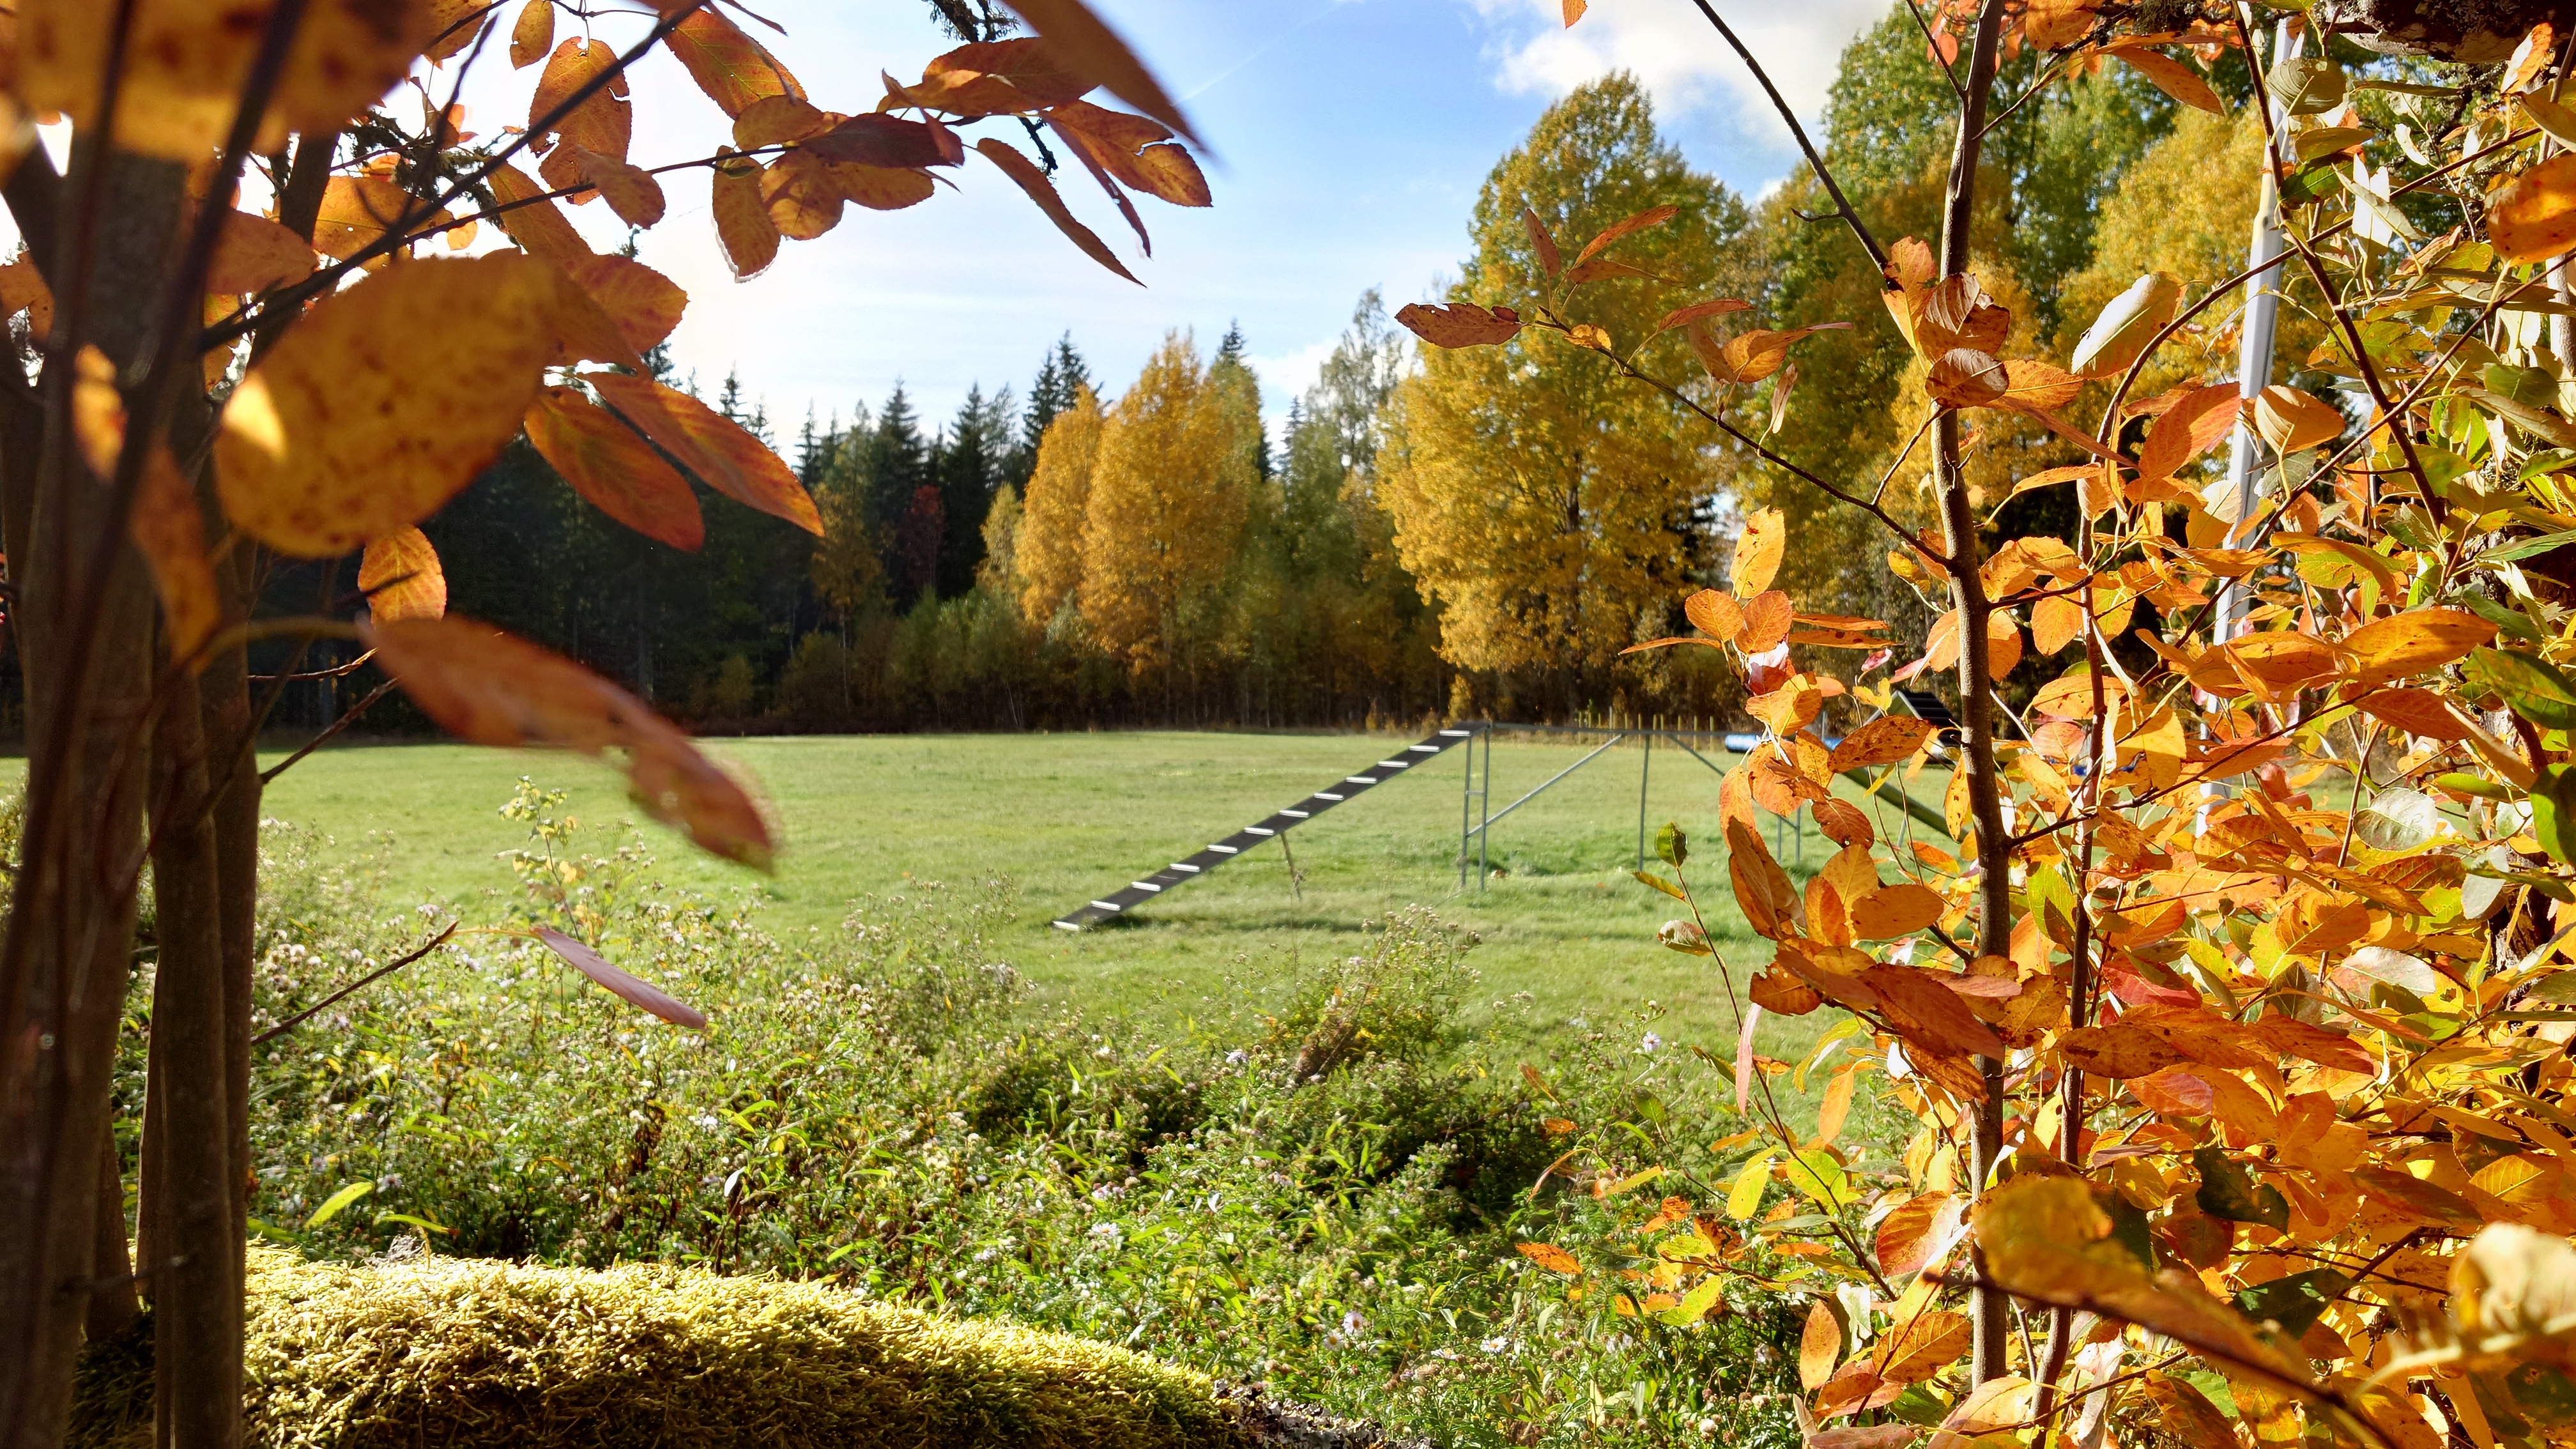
{"x": 1319, "y": 1182}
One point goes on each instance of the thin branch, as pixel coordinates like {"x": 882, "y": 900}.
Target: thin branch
{"x": 363, "y": 982}
{"x": 347, "y": 719}
{"x": 1957, "y": 91}
{"x": 334, "y": 672}
{"x": 1815, "y": 162}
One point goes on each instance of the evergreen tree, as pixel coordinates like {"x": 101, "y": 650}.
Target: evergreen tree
{"x": 1230, "y": 354}
{"x": 1060, "y": 377}
{"x": 971, "y": 458}
{"x": 896, "y": 466}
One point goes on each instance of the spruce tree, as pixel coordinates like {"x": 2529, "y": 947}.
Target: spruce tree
{"x": 1060, "y": 376}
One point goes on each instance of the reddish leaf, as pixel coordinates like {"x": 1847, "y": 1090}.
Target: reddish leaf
{"x": 636, "y": 990}
{"x": 1930, "y": 1015}
{"x": 632, "y": 192}
{"x": 1549, "y": 260}
{"x": 1551, "y": 1257}
{"x": 775, "y": 120}
{"x": 1683, "y": 316}
{"x": 1028, "y": 65}
{"x": 1626, "y": 227}
{"x": 1042, "y": 191}
{"x": 1459, "y": 324}
{"x": 489, "y": 688}
{"x": 1882, "y": 741}
{"x": 888, "y": 141}
{"x": 606, "y": 462}
{"x": 1907, "y": 1236}
{"x": 1133, "y": 149}
{"x": 725, "y": 457}
{"x": 2175, "y": 79}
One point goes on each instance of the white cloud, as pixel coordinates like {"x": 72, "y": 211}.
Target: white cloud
{"x": 1289, "y": 374}
{"x": 1679, "y": 56}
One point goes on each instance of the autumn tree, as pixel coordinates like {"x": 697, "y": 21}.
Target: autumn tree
{"x": 2239, "y": 1048}
{"x": 1541, "y": 503}
{"x": 216, "y": 390}
{"x": 1049, "y": 542}
{"x": 1169, "y": 496}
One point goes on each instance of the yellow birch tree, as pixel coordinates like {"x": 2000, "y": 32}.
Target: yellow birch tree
{"x": 1169, "y": 500}
{"x": 1049, "y": 554}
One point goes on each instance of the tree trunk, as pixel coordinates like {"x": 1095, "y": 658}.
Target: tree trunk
{"x": 1990, "y": 1312}
{"x": 86, "y": 646}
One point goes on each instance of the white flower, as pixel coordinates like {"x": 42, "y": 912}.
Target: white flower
{"x": 1651, "y": 1044}
{"x": 1496, "y": 1344}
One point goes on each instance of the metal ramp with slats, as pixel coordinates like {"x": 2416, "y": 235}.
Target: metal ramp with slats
{"x": 1182, "y": 872}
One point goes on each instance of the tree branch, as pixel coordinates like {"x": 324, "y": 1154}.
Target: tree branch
{"x": 1815, "y": 162}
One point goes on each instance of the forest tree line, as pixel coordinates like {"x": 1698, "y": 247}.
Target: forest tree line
{"x": 1478, "y": 532}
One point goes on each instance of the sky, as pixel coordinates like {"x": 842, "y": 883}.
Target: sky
{"x": 1348, "y": 140}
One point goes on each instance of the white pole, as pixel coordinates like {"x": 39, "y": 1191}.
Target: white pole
{"x": 2254, "y": 362}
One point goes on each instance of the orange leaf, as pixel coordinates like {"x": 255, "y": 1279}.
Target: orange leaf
{"x": 402, "y": 579}
{"x": 640, "y": 302}
{"x": 1549, "y": 260}
{"x": 1761, "y": 888}
{"x": 2416, "y": 711}
{"x": 1573, "y": 12}
{"x": 490, "y": 688}
{"x": 632, "y": 191}
{"x": 334, "y": 438}
{"x": 1042, "y": 191}
{"x": 803, "y": 198}
{"x": 1134, "y": 150}
{"x": 2003, "y": 644}
{"x": 1843, "y": 822}
{"x": 1459, "y": 324}
{"x": 1626, "y": 227}
{"x": 2534, "y": 216}
{"x": 2413, "y": 642}
{"x": 875, "y": 140}
{"x": 1028, "y": 65}
{"x": 743, "y": 228}
{"x": 1696, "y": 311}
{"x": 604, "y": 121}
{"x": 1928, "y": 1014}
{"x": 1758, "y": 550}
{"x": 2055, "y": 622}
{"x": 1767, "y": 617}
{"x": 1907, "y": 1236}
{"x": 2187, "y": 429}
{"x": 1897, "y": 910}
{"x": 605, "y": 462}
{"x": 725, "y": 457}
{"x": 357, "y": 211}
{"x": 98, "y": 411}
{"x": 634, "y": 989}
{"x": 256, "y": 254}
{"x": 732, "y": 68}
{"x": 1922, "y": 1346}
{"x": 1882, "y": 741}
{"x": 22, "y": 289}
{"x": 1820, "y": 1344}
{"x": 1090, "y": 49}
{"x": 169, "y": 529}
{"x": 1551, "y": 1257}
{"x": 776, "y": 120}
{"x": 1715, "y": 614}
{"x": 533, "y": 37}
{"x": 532, "y": 219}
{"x": 2175, "y": 79}
{"x": 2119, "y": 1052}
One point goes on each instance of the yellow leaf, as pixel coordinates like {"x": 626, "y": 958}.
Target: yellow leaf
{"x": 402, "y": 579}
{"x": 345, "y": 433}
{"x": 2126, "y": 324}
{"x": 631, "y": 190}
{"x": 532, "y": 39}
{"x": 185, "y": 62}
{"x": 1744, "y": 1197}
{"x": 98, "y": 411}
{"x": 1715, "y": 614}
{"x": 169, "y": 528}
{"x": 2291, "y": 420}
{"x": 1897, "y": 910}
{"x": 743, "y": 225}
{"x": 1836, "y": 1108}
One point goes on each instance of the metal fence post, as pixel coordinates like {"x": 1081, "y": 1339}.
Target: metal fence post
{"x": 1645, "y": 767}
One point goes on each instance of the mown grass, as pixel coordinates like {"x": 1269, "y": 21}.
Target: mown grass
{"x": 1067, "y": 817}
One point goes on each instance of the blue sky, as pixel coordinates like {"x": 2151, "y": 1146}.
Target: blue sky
{"x": 1350, "y": 137}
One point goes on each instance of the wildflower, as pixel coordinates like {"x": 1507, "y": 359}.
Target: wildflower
{"x": 1651, "y": 1044}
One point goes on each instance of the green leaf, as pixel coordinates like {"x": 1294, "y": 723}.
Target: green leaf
{"x": 2226, "y": 1191}
{"x": 1819, "y": 1176}
{"x": 1671, "y": 846}
{"x": 1696, "y": 1305}
{"x": 2560, "y": 987}
{"x": 2553, "y": 811}
{"x": 2530, "y": 686}
{"x": 2293, "y": 1302}
{"x": 2477, "y": 785}
{"x": 332, "y": 1207}
{"x": 2307, "y": 85}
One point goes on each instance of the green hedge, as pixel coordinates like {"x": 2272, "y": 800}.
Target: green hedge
{"x": 443, "y": 1351}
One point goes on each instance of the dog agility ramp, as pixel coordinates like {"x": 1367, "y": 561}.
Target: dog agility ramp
{"x": 1182, "y": 872}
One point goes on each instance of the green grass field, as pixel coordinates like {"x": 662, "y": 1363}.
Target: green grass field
{"x": 1066, "y": 817}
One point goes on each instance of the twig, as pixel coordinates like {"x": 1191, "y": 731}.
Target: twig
{"x": 347, "y": 719}
{"x": 1815, "y": 162}
{"x": 334, "y": 672}
{"x": 363, "y": 982}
